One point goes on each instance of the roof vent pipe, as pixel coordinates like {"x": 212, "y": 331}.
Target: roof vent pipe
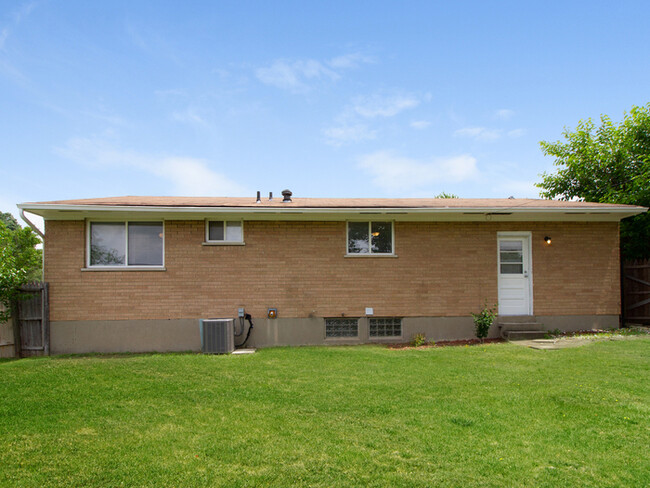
{"x": 286, "y": 194}
{"x": 270, "y": 196}
{"x": 258, "y": 200}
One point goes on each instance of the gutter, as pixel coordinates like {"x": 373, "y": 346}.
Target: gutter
{"x": 31, "y": 224}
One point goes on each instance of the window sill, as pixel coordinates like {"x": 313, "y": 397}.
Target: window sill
{"x": 370, "y": 255}
{"x": 222, "y": 243}
{"x": 342, "y": 339}
{"x": 125, "y": 268}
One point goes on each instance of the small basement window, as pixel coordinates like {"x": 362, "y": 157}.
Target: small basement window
{"x": 341, "y": 327}
{"x": 385, "y": 327}
{"x": 123, "y": 244}
{"x": 224, "y": 231}
{"x": 365, "y": 238}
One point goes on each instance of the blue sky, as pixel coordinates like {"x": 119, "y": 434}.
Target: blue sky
{"x": 339, "y": 99}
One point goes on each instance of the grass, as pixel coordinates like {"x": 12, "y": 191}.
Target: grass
{"x": 490, "y": 415}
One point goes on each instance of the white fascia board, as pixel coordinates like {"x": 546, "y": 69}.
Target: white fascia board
{"x": 480, "y": 213}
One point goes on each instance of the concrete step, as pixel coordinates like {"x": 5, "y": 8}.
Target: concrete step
{"x": 509, "y": 319}
{"x": 513, "y": 335}
{"x": 522, "y": 326}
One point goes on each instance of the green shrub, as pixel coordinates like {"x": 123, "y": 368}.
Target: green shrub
{"x": 419, "y": 340}
{"x": 483, "y": 321}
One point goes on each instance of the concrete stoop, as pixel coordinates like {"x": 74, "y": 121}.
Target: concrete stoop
{"x": 520, "y": 327}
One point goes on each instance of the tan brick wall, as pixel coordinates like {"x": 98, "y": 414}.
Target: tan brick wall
{"x": 442, "y": 269}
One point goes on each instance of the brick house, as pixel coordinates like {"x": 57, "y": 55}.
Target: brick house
{"x": 136, "y": 273}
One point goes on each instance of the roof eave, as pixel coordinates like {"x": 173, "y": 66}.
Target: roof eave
{"x": 43, "y": 209}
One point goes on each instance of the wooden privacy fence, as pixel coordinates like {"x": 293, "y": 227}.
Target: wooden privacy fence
{"x": 32, "y": 321}
{"x": 636, "y": 291}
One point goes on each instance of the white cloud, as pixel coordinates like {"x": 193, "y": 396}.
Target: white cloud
{"x": 193, "y": 177}
{"x": 516, "y": 188}
{"x": 348, "y": 61}
{"x": 504, "y": 114}
{"x": 383, "y": 106}
{"x": 17, "y": 17}
{"x": 338, "y": 136}
{"x": 190, "y": 116}
{"x": 420, "y": 124}
{"x": 298, "y": 75}
{"x": 516, "y": 133}
{"x": 395, "y": 173}
{"x": 479, "y": 133}
{"x": 188, "y": 176}
{"x": 4, "y": 34}
{"x": 294, "y": 75}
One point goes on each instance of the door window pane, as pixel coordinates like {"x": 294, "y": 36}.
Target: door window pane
{"x": 382, "y": 238}
{"x": 107, "y": 243}
{"x": 358, "y": 238}
{"x": 511, "y": 257}
{"x": 512, "y": 268}
{"x": 510, "y": 245}
{"x": 145, "y": 243}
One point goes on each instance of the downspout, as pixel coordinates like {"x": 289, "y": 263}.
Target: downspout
{"x": 31, "y": 224}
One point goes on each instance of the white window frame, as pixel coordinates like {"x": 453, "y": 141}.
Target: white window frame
{"x": 208, "y": 242}
{"x": 125, "y": 266}
{"x": 370, "y": 253}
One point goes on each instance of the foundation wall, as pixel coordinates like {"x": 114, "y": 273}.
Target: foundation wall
{"x": 69, "y": 337}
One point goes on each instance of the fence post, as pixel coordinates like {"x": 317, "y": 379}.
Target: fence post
{"x": 45, "y": 303}
{"x": 16, "y": 327}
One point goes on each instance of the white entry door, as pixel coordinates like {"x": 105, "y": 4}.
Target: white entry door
{"x": 515, "y": 275}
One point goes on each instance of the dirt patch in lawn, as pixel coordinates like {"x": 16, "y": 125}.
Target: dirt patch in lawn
{"x": 463, "y": 342}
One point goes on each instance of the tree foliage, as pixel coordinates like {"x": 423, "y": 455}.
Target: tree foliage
{"x": 20, "y": 261}
{"x": 607, "y": 164}
{"x": 9, "y": 220}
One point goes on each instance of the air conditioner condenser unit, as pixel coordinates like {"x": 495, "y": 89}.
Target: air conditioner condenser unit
{"x": 217, "y": 336}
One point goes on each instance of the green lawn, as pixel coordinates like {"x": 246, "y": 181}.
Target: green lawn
{"x": 493, "y": 415}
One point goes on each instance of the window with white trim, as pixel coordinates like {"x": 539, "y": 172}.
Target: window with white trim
{"x": 118, "y": 244}
{"x": 341, "y": 327}
{"x": 224, "y": 231}
{"x": 385, "y": 327}
{"x": 370, "y": 238}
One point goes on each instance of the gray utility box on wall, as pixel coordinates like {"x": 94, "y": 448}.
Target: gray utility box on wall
{"x": 217, "y": 336}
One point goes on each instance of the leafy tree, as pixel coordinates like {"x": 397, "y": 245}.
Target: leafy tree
{"x": 446, "y": 195}
{"x": 9, "y": 220}
{"x": 607, "y": 164}
{"x": 20, "y": 261}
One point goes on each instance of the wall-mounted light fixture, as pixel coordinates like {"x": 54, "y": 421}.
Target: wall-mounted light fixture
{"x": 547, "y": 240}
{"x": 272, "y": 313}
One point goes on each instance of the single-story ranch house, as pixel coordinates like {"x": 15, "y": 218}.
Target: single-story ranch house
{"x": 137, "y": 273}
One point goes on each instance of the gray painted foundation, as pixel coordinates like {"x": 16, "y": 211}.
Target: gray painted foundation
{"x": 71, "y": 337}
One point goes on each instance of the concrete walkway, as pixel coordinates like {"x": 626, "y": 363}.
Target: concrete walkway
{"x": 566, "y": 342}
